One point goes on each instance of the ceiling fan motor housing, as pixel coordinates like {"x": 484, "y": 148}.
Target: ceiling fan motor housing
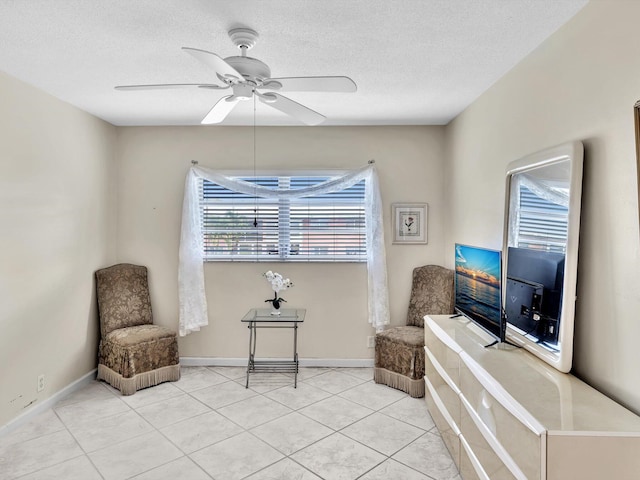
{"x": 250, "y": 68}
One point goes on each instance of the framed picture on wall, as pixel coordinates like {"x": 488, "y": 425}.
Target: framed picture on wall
{"x": 409, "y": 222}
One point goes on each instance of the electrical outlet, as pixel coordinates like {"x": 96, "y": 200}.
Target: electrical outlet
{"x": 371, "y": 342}
{"x": 41, "y": 382}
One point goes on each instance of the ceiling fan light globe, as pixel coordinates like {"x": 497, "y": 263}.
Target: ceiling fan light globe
{"x": 243, "y": 91}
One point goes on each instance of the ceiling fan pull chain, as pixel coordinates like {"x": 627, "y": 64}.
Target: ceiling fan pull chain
{"x": 255, "y": 188}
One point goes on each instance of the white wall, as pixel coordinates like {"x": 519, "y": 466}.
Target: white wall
{"x": 57, "y": 227}
{"x": 581, "y": 84}
{"x": 153, "y": 162}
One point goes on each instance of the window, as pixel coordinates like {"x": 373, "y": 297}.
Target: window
{"x": 543, "y": 224}
{"x": 238, "y": 226}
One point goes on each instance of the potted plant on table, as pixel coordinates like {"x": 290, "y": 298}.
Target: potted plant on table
{"x": 277, "y": 283}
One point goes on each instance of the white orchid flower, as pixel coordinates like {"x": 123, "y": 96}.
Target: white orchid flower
{"x": 277, "y": 281}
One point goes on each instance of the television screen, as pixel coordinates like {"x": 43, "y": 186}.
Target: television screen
{"x": 478, "y": 287}
{"x": 533, "y": 292}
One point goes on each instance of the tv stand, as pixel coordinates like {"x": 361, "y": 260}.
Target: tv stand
{"x": 495, "y": 342}
{"x": 505, "y": 414}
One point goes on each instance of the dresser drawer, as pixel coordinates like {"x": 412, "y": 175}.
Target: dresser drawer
{"x": 448, "y": 429}
{"x": 492, "y": 459}
{"x": 502, "y": 419}
{"x": 443, "y": 349}
{"x": 443, "y": 385}
{"x": 518, "y": 418}
{"x": 470, "y": 467}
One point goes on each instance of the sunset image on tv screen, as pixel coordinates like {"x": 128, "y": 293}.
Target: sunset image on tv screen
{"x": 478, "y": 282}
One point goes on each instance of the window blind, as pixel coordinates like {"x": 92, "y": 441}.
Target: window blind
{"x": 543, "y": 224}
{"x": 244, "y": 227}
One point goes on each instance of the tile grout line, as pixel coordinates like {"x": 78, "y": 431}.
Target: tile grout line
{"x": 86, "y": 454}
{"x": 83, "y": 454}
{"x": 340, "y": 431}
{"x": 264, "y": 395}
{"x": 285, "y": 456}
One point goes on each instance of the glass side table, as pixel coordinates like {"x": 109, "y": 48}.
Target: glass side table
{"x": 262, "y": 318}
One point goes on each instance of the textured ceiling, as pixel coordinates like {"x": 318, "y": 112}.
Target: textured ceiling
{"x": 416, "y": 62}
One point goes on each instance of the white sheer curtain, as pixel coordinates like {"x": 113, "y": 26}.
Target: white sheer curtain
{"x": 191, "y": 290}
{"x": 551, "y": 190}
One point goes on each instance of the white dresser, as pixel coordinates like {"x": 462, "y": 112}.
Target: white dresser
{"x": 504, "y": 414}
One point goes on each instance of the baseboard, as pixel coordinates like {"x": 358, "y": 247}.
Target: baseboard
{"x": 48, "y": 403}
{"x": 304, "y": 362}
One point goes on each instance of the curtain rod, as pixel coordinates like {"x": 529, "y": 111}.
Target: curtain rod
{"x": 370, "y": 162}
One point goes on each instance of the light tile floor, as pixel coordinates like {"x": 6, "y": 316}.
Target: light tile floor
{"x": 338, "y": 424}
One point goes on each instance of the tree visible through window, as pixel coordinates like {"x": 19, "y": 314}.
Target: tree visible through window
{"x": 238, "y": 226}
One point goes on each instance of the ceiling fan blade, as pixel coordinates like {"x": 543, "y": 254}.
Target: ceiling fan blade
{"x": 220, "y": 110}
{"x": 313, "y": 84}
{"x": 222, "y": 68}
{"x": 162, "y": 86}
{"x": 294, "y": 109}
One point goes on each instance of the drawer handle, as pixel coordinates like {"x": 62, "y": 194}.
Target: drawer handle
{"x": 501, "y": 395}
{"x": 485, "y": 413}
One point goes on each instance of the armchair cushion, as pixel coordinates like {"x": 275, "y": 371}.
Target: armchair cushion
{"x": 139, "y": 334}
{"x": 134, "y": 350}
{"x": 401, "y": 350}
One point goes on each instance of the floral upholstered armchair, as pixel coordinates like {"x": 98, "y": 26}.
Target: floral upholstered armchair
{"x": 133, "y": 353}
{"x": 399, "y": 355}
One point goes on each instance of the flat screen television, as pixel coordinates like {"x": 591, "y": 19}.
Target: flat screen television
{"x": 478, "y": 288}
{"x": 534, "y": 293}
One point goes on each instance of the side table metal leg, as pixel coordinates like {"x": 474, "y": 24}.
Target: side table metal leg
{"x": 252, "y": 350}
{"x": 295, "y": 354}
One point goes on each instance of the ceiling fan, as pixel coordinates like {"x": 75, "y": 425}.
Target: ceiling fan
{"x": 247, "y": 76}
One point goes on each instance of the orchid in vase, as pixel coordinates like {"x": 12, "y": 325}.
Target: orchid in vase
{"x": 277, "y": 283}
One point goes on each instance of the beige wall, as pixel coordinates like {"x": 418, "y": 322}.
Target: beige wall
{"x": 153, "y": 162}
{"x": 581, "y": 84}
{"x": 56, "y": 228}
{"x": 56, "y": 166}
